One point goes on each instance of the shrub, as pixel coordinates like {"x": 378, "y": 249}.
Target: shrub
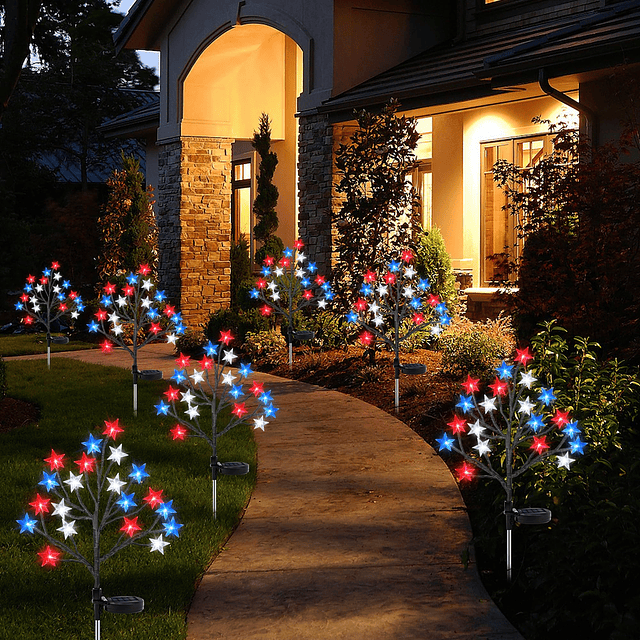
{"x": 475, "y": 347}
{"x": 191, "y": 342}
{"x": 266, "y": 345}
{"x": 238, "y": 321}
{"x": 331, "y": 330}
{"x": 433, "y": 262}
{"x": 241, "y": 280}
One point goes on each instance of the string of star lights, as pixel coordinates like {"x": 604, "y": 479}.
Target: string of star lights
{"x": 289, "y": 286}
{"x": 510, "y": 431}
{"x": 102, "y": 491}
{"x": 393, "y": 299}
{"x": 213, "y": 388}
{"x": 47, "y": 299}
{"x": 134, "y": 311}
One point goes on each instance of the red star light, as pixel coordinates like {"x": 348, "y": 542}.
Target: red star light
{"x": 561, "y": 418}
{"x": 539, "y": 444}
{"x": 183, "y": 361}
{"x": 308, "y": 294}
{"x": 361, "y": 305}
{"x": 407, "y": 256}
{"x": 389, "y": 278}
{"x": 109, "y": 288}
{"x": 28, "y": 320}
{"x": 55, "y": 460}
{"x": 169, "y": 311}
{"x": 86, "y": 463}
{"x": 257, "y": 388}
{"x": 285, "y": 262}
{"x": 49, "y": 556}
{"x": 298, "y": 244}
{"x": 261, "y": 284}
{"x": 418, "y": 318}
{"x": 155, "y": 328}
{"x": 101, "y": 314}
{"x": 106, "y": 347}
{"x": 153, "y": 498}
{"x": 370, "y": 277}
{"x": 73, "y": 295}
{"x": 457, "y": 425}
{"x": 144, "y": 270}
{"x": 225, "y": 337}
{"x": 178, "y": 432}
{"x": 499, "y": 387}
{"x": 62, "y": 306}
{"x": 206, "y": 363}
{"x": 366, "y": 338}
{"x": 55, "y": 266}
{"x": 131, "y": 526}
{"x": 465, "y": 472}
{"x": 44, "y": 280}
{"x": 24, "y": 297}
{"x": 320, "y": 280}
{"x": 470, "y": 384}
{"x": 434, "y": 301}
{"x": 128, "y": 290}
{"x": 112, "y": 429}
{"x": 31, "y": 279}
{"x": 523, "y": 356}
{"x": 268, "y": 261}
{"x": 239, "y": 409}
{"x": 172, "y": 394}
{"x": 265, "y": 310}
{"x": 40, "y": 505}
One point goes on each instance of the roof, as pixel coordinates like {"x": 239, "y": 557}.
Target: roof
{"x": 475, "y": 67}
{"x": 142, "y": 120}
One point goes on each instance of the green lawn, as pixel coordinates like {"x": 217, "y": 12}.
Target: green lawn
{"x": 30, "y": 343}
{"x": 75, "y": 399}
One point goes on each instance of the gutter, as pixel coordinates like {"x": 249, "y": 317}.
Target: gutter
{"x": 590, "y": 117}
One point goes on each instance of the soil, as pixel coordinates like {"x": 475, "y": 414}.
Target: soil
{"x": 16, "y": 413}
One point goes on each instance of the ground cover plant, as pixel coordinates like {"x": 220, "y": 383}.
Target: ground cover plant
{"x": 26, "y": 344}
{"x": 54, "y": 603}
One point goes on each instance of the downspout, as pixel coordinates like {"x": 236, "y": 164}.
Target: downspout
{"x": 591, "y": 120}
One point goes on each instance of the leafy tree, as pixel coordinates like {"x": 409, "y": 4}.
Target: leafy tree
{"x": 379, "y": 214}
{"x": 264, "y": 205}
{"x": 128, "y": 231}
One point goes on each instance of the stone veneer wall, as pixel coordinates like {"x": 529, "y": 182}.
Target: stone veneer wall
{"x": 319, "y": 200}
{"x": 194, "y": 220}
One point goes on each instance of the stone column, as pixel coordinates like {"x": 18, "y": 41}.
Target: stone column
{"x": 194, "y": 218}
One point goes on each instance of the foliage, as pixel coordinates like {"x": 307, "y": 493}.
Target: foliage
{"x": 191, "y": 342}
{"x": 128, "y": 231}
{"x": 264, "y": 205}
{"x": 379, "y": 213}
{"x": 433, "y": 262}
{"x": 580, "y": 222}
{"x": 475, "y": 347}
{"x": 269, "y": 346}
{"x": 331, "y": 330}
{"x": 238, "y": 321}
{"x": 241, "y": 281}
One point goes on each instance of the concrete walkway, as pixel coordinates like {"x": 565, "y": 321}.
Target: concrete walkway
{"x": 355, "y": 530}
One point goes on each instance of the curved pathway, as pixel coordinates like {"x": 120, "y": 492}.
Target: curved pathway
{"x": 355, "y": 530}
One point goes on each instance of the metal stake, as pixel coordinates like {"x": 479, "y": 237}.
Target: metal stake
{"x": 396, "y": 366}
{"x": 214, "y": 482}
{"x": 135, "y": 389}
{"x": 48, "y": 350}
{"x": 508, "y": 512}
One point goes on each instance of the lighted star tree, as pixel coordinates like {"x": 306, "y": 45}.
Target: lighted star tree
{"x": 134, "y": 318}
{"x": 213, "y": 400}
{"x": 289, "y": 286}
{"x": 93, "y": 500}
{"x": 510, "y": 431}
{"x": 394, "y": 306}
{"x": 47, "y": 299}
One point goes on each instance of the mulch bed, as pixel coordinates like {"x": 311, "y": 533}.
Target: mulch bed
{"x": 16, "y": 413}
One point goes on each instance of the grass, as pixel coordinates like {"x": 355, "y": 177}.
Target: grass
{"x": 56, "y": 603}
{"x": 28, "y": 344}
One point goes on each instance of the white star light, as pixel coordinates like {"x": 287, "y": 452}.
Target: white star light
{"x": 68, "y": 528}
{"x": 117, "y": 454}
{"x": 278, "y": 271}
{"x": 275, "y": 296}
{"x": 192, "y": 412}
{"x": 115, "y": 484}
{"x": 564, "y": 461}
{"x": 75, "y": 315}
{"x": 408, "y": 292}
{"x": 482, "y": 447}
{"x": 378, "y": 320}
{"x": 145, "y": 302}
{"x": 525, "y": 406}
{"x": 409, "y": 272}
{"x": 117, "y": 329}
{"x": 56, "y": 289}
{"x": 259, "y": 423}
{"x": 122, "y": 301}
{"x": 57, "y": 276}
{"x": 476, "y": 429}
{"x": 374, "y": 307}
{"x": 527, "y": 379}
{"x": 158, "y": 544}
{"x": 322, "y": 304}
{"x": 229, "y": 356}
{"x": 228, "y": 378}
{"x": 488, "y": 405}
{"x": 301, "y": 257}
{"x": 272, "y": 285}
{"x": 382, "y": 290}
{"x": 187, "y": 396}
{"x": 74, "y": 482}
{"x": 171, "y": 338}
{"x": 60, "y": 509}
{"x": 436, "y": 330}
{"x": 197, "y": 376}
{"x": 300, "y": 273}
{"x": 39, "y": 288}
{"x": 114, "y": 318}
{"x": 146, "y": 285}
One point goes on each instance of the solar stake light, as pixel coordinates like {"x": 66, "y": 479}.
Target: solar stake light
{"x": 45, "y": 300}
{"x": 387, "y": 302}
{"x": 134, "y": 309}
{"x": 513, "y": 430}
{"x": 93, "y": 500}
{"x": 215, "y": 388}
{"x": 290, "y": 286}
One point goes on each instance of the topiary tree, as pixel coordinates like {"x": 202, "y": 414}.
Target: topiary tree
{"x": 433, "y": 262}
{"x": 264, "y": 205}
{"x": 379, "y": 215}
{"x": 127, "y": 226}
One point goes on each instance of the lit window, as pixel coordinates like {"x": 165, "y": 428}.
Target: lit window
{"x": 241, "y": 205}
{"x": 421, "y": 176}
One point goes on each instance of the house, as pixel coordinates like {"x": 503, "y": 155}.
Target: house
{"x": 475, "y": 73}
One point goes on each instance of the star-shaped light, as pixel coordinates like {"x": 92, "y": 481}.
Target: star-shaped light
{"x": 153, "y": 498}
{"x": 86, "y": 463}
{"x": 465, "y": 472}
{"x": 539, "y": 444}
{"x": 117, "y": 454}
{"x": 172, "y": 528}
{"x": 74, "y": 481}
{"x": 527, "y": 379}
{"x": 192, "y": 412}
{"x": 197, "y": 377}
{"x": 178, "y": 432}
{"x": 228, "y": 378}
{"x": 68, "y": 528}
{"x": 158, "y": 544}
{"x": 525, "y": 406}
{"x": 60, "y": 509}
{"x": 465, "y": 403}
{"x": 489, "y": 404}
{"x": 40, "y": 505}
{"x": 49, "y": 556}
{"x": 126, "y": 501}
{"x": 457, "y": 425}
{"x": 260, "y": 423}
{"x": 471, "y": 384}
{"x": 92, "y": 445}
{"x": 49, "y": 481}
{"x": 131, "y": 526}
{"x": 166, "y": 509}
{"x": 476, "y": 429}
{"x": 577, "y": 445}
{"x": 482, "y": 447}
{"x": 445, "y": 442}
{"x": 138, "y": 472}
{"x": 55, "y": 460}
{"x": 546, "y": 396}
{"x": 112, "y": 429}
{"x": 115, "y": 484}
{"x": 27, "y": 524}
{"x": 564, "y": 461}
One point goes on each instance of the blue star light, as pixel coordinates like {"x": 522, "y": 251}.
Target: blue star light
{"x": 288, "y": 253}
{"x": 166, "y": 509}
{"x": 465, "y": 403}
{"x": 305, "y": 282}
{"x": 93, "y": 444}
{"x": 105, "y": 301}
{"x": 236, "y": 391}
{"x": 132, "y": 279}
{"x": 266, "y": 271}
{"x": 172, "y": 528}
{"x": 352, "y": 317}
{"x": 19, "y": 306}
{"x": 211, "y": 349}
{"x": 535, "y": 422}
{"x": 138, "y": 473}
{"x": 161, "y": 408}
{"x": 329, "y": 295}
{"x": 93, "y": 327}
{"x": 366, "y": 289}
{"x": 312, "y": 267}
{"x": 265, "y": 397}
{"x": 126, "y": 501}
{"x": 179, "y": 376}
{"x": 445, "y": 442}
{"x": 27, "y": 524}
{"x": 47, "y": 272}
{"x": 394, "y": 266}
{"x": 577, "y": 445}
{"x": 571, "y": 429}
{"x": 254, "y": 293}
{"x": 546, "y": 396}
{"x": 245, "y": 370}
{"x": 49, "y": 481}
{"x": 423, "y": 284}
{"x": 415, "y": 303}
{"x": 160, "y": 296}
{"x": 153, "y": 314}
{"x": 504, "y": 370}
{"x": 270, "y": 411}
{"x": 66, "y": 284}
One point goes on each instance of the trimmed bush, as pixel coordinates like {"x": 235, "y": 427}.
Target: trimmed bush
{"x": 475, "y": 347}
{"x": 191, "y": 342}
{"x": 266, "y": 345}
{"x": 238, "y": 321}
{"x": 241, "y": 280}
